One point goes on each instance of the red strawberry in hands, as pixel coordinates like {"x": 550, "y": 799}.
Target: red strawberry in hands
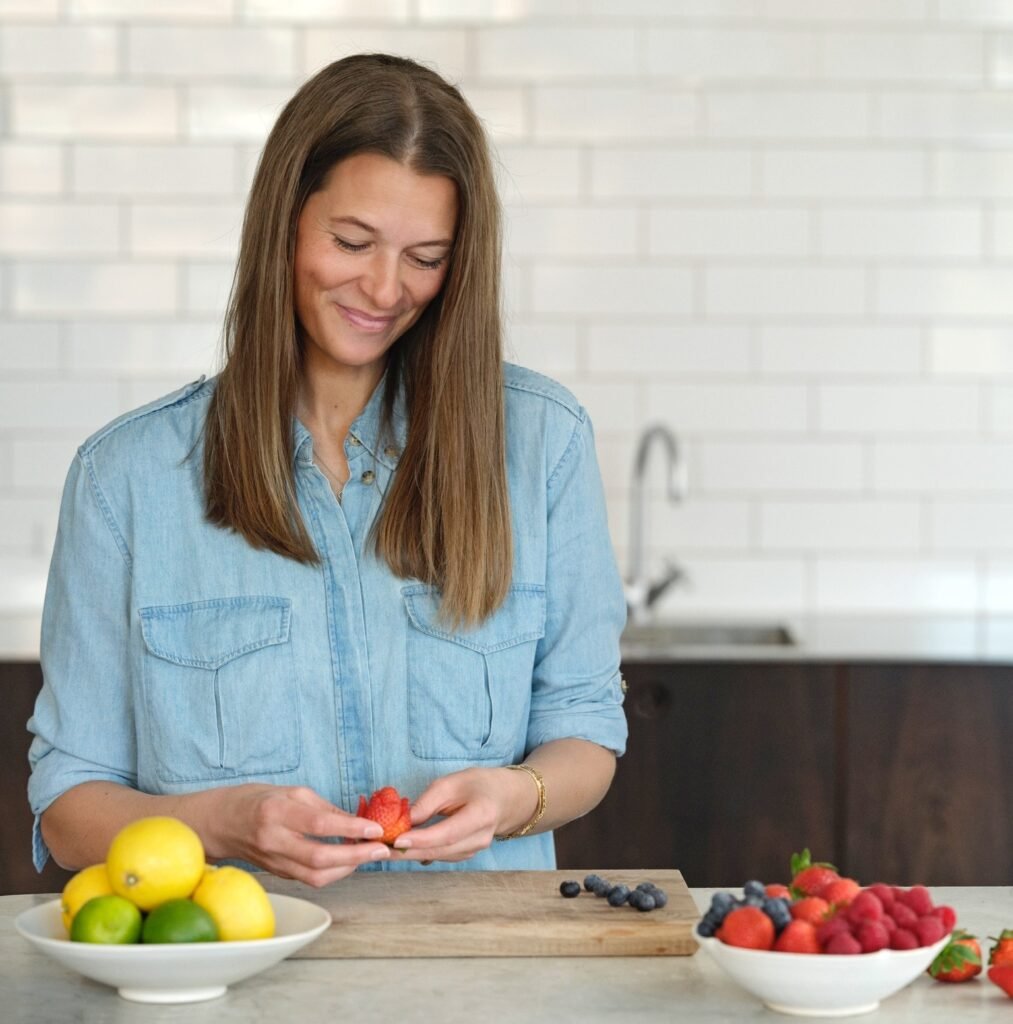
{"x": 959, "y": 960}
{"x": 389, "y": 809}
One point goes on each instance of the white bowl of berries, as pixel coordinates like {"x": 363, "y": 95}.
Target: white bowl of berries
{"x": 806, "y": 956}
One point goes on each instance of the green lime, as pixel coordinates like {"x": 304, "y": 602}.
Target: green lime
{"x": 106, "y": 919}
{"x": 179, "y": 921}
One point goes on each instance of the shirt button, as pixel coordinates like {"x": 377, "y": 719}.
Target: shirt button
{"x": 353, "y": 440}
{"x": 623, "y": 685}
{"x": 391, "y": 452}
{"x": 368, "y": 477}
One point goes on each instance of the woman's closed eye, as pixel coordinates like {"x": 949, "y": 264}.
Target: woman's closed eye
{"x": 347, "y": 246}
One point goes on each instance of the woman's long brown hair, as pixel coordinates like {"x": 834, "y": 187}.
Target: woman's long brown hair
{"x": 445, "y": 519}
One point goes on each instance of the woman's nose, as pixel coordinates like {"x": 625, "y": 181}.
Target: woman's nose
{"x": 382, "y": 281}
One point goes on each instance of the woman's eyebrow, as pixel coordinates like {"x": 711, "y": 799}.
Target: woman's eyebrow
{"x": 369, "y": 227}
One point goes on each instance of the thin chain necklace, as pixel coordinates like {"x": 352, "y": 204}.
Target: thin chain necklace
{"x": 337, "y": 483}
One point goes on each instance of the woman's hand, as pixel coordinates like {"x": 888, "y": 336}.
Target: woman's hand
{"x": 271, "y": 826}
{"x": 477, "y": 804}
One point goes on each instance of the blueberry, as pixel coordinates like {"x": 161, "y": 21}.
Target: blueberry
{"x": 778, "y": 911}
{"x": 618, "y": 895}
{"x": 602, "y": 887}
{"x": 641, "y": 900}
{"x": 706, "y": 928}
{"x": 723, "y": 901}
{"x": 570, "y": 889}
{"x": 753, "y": 901}
{"x": 660, "y": 897}
{"x": 590, "y": 881}
{"x": 646, "y": 886}
{"x": 754, "y": 888}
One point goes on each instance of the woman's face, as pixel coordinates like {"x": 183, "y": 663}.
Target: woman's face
{"x": 372, "y": 249}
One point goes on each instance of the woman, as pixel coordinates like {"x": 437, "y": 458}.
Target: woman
{"x": 365, "y": 554}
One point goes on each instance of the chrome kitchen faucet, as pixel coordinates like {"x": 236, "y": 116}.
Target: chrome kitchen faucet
{"x": 641, "y": 591}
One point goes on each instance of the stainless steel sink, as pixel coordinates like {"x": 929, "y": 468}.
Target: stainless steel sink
{"x": 659, "y": 636}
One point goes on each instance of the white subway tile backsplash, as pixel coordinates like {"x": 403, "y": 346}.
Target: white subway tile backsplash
{"x": 924, "y": 232}
{"x": 974, "y": 467}
{"x": 963, "y": 524}
{"x": 840, "y": 525}
{"x": 972, "y": 173}
{"x": 774, "y": 467}
{"x": 63, "y": 229}
{"x": 444, "y": 50}
{"x": 927, "y": 292}
{"x": 527, "y": 173}
{"x": 156, "y": 10}
{"x": 480, "y": 11}
{"x": 617, "y": 350}
{"x": 549, "y": 348}
{"x": 40, "y": 464}
{"x": 82, "y": 289}
{"x": 830, "y": 11}
{"x": 143, "y": 348}
{"x": 976, "y": 11}
{"x": 736, "y": 586}
{"x": 623, "y": 291}
{"x": 730, "y": 408}
{"x": 883, "y": 409}
{"x": 998, "y": 587}
{"x": 21, "y": 521}
{"x": 35, "y": 10}
{"x": 843, "y": 173}
{"x": 612, "y": 407}
{"x": 111, "y": 111}
{"x": 685, "y": 173}
{"x": 698, "y": 525}
{"x": 197, "y": 52}
{"x": 733, "y": 231}
{"x": 722, "y": 53}
{"x": 1000, "y": 410}
{"x": 579, "y": 231}
{"x": 1002, "y": 232}
{"x": 971, "y": 351}
{"x": 324, "y": 11}
{"x": 196, "y": 229}
{"x": 502, "y": 110}
{"x": 238, "y": 113}
{"x": 142, "y": 170}
{"x": 617, "y": 112}
{"x": 29, "y": 347}
{"x": 544, "y": 53}
{"x": 45, "y": 404}
{"x": 206, "y": 288}
{"x": 771, "y": 114}
{"x": 907, "y": 55}
{"x": 896, "y": 585}
{"x": 30, "y": 168}
{"x": 819, "y": 351}
{"x": 34, "y": 51}
{"x": 780, "y": 291}
{"x": 929, "y": 115}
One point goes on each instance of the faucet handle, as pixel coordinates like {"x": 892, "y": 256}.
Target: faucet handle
{"x": 673, "y": 572}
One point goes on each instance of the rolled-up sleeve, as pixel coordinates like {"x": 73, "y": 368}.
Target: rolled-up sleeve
{"x": 83, "y": 719}
{"x": 577, "y": 688}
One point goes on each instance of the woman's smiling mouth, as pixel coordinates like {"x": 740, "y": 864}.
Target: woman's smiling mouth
{"x": 363, "y": 321}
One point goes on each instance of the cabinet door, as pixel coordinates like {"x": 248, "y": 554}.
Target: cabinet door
{"x": 729, "y": 769}
{"x": 20, "y": 683}
{"x": 930, "y": 774}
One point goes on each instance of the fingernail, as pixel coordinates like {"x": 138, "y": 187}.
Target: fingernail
{"x": 380, "y": 853}
{"x": 373, "y": 831}
{"x": 402, "y": 844}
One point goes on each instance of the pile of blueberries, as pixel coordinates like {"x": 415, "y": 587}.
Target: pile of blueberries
{"x": 754, "y": 894}
{"x": 646, "y": 896}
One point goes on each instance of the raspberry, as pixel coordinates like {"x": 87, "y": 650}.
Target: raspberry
{"x": 749, "y": 927}
{"x": 904, "y": 916}
{"x": 832, "y": 926}
{"x": 798, "y": 937}
{"x": 884, "y": 893}
{"x": 864, "y": 907}
{"x": 903, "y": 939}
{"x": 872, "y": 935}
{"x": 888, "y": 923}
{"x": 843, "y": 942}
{"x": 811, "y": 909}
{"x": 948, "y": 916}
{"x": 929, "y": 929}
{"x": 918, "y": 899}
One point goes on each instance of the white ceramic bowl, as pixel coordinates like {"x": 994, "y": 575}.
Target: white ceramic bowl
{"x": 184, "y": 972}
{"x": 824, "y": 984}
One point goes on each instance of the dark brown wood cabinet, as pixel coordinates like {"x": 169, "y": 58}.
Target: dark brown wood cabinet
{"x": 894, "y": 772}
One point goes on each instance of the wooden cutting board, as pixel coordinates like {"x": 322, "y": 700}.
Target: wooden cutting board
{"x": 493, "y": 913}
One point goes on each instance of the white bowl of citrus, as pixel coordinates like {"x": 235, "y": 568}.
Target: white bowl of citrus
{"x": 162, "y": 926}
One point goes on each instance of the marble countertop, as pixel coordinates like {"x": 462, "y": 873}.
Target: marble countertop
{"x": 36, "y": 990}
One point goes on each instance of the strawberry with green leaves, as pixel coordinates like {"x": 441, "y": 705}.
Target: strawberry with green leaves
{"x": 1001, "y": 954}
{"x": 809, "y": 878}
{"x": 958, "y": 960}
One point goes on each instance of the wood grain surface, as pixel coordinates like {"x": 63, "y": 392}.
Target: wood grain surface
{"x": 494, "y": 913}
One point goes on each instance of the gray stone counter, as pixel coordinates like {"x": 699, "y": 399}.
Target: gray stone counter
{"x": 36, "y": 990}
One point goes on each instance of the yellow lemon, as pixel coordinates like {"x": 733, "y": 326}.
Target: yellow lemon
{"x": 88, "y": 882}
{"x": 237, "y": 902}
{"x": 153, "y": 860}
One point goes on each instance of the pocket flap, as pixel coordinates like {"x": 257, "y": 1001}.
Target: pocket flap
{"x": 519, "y": 619}
{"x": 207, "y": 634}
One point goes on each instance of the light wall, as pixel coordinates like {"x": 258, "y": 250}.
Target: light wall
{"x": 782, "y": 227}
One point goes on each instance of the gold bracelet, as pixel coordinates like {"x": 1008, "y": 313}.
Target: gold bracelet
{"x": 540, "y": 783}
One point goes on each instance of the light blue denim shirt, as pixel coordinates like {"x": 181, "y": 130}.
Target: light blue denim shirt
{"x": 176, "y": 657}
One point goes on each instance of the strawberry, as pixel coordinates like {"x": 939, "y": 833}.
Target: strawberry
{"x": 777, "y": 891}
{"x": 749, "y": 927}
{"x": 959, "y": 959}
{"x": 798, "y": 937}
{"x": 840, "y": 892}
{"x": 1001, "y": 954}
{"x": 807, "y": 877}
{"x": 387, "y": 807}
{"x": 1003, "y": 977}
{"x": 811, "y": 909}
